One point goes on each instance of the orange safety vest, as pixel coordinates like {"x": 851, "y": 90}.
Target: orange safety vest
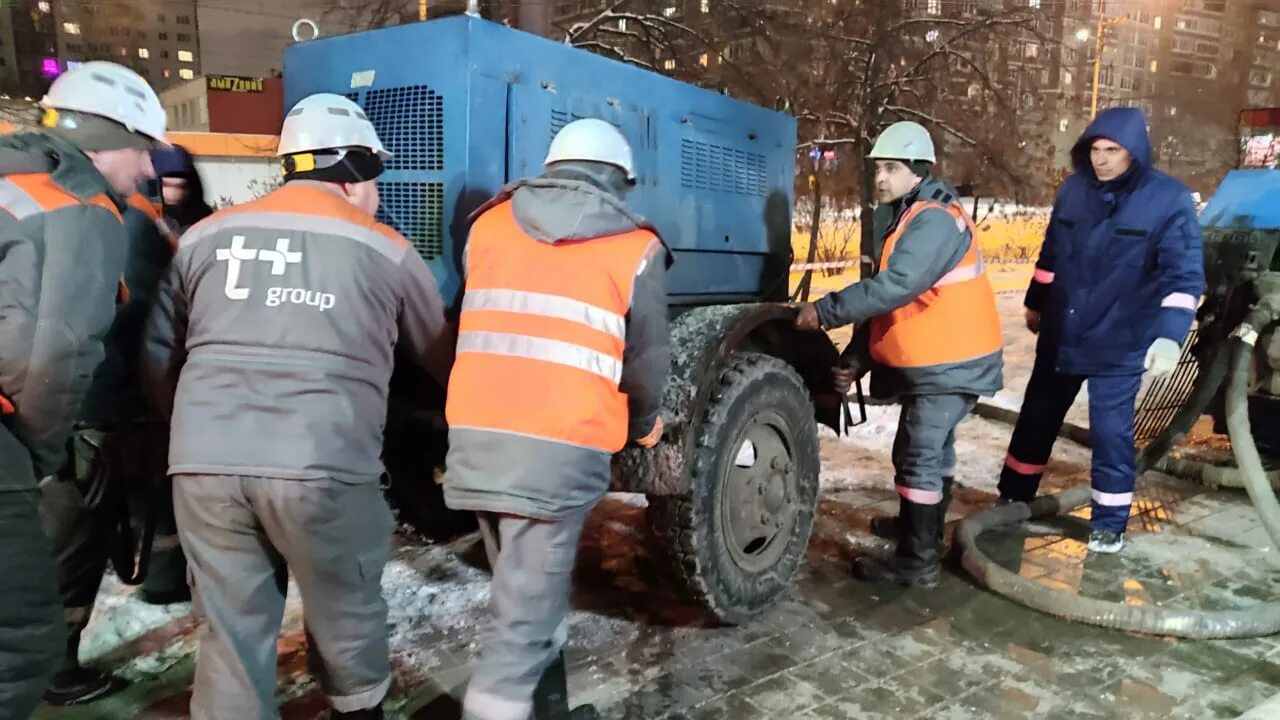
{"x": 542, "y": 334}
{"x": 953, "y": 321}
{"x": 153, "y": 211}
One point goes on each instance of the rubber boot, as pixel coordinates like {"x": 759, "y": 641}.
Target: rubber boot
{"x": 886, "y": 526}
{"x": 917, "y": 560}
{"x": 76, "y": 685}
{"x": 551, "y": 697}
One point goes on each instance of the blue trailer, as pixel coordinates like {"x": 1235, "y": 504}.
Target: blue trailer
{"x": 467, "y": 105}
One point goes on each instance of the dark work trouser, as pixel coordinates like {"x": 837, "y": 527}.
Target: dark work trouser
{"x": 32, "y": 634}
{"x": 1049, "y": 395}
{"x": 532, "y": 563}
{"x": 81, "y": 541}
{"x": 242, "y": 537}
{"x": 924, "y": 451}
{"x": 83, "y": 537}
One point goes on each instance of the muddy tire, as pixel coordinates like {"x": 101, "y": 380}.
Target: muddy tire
{"x": 735, "y": 540}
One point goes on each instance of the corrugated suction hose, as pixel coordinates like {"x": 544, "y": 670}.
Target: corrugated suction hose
{"x": 1259, "y": 620}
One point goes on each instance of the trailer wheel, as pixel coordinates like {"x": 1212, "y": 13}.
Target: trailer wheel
{"x": 736, "y": 539}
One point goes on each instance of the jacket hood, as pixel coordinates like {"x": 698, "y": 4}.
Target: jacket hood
{"x": 1125, "y": 126}
{"x": 173, "y": 162}
{"x": 40, "y": 152}
{"x": 558, "y": 210}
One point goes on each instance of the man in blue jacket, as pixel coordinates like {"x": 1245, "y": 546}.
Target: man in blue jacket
{"x": 1115, "y": 290}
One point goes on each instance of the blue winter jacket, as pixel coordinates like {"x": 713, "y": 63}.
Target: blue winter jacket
{"x": 1121, "y": 263}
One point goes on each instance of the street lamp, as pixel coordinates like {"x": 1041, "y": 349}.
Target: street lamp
{"x": 1083, "y": 35}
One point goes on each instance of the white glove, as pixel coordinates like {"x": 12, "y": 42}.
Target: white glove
{"x": 1162, "y": 357}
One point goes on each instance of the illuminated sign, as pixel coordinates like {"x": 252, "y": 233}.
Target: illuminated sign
{"x": 49, "y": 67}
{"x": 232, "y": 83}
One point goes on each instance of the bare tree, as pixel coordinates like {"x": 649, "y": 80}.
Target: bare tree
{"x": 355, "y": 15}
{"x": 846, "y": 70}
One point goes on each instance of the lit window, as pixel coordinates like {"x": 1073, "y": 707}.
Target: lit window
{"x": 1154, "y": 65}
{"x": 144, "y": 53}
{"x": 622, "y": 24}
{"x": 71, "y": 28}
{"x": 44, "y": 6}
{"x": 1033, "y": 4}
{"x": 705, "y": 6}
{"x": 669, "y": 11}
{"x": 934, "y": 7}
{"x": 167, "y": 72}
{"x": 669, "y": 65}
{"x": 1159, "y": 22}
{"x": 703, "y": 60}
{"x": 185, "y": 56}
{"x": 1066, "y": 78}
{"x": 186, "y": 74}
{"x": 1063, "y": 124}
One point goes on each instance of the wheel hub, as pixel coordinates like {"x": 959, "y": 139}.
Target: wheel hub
{"x": 760, "y": 489}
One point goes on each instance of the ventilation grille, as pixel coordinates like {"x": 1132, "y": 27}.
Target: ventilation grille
{"x": 410, "y": 122}
{"x": 719, "y": 168}
{"x": 560, "y": 118}
{"x": 416, "y": 209}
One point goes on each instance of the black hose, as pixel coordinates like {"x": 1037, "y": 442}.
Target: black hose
{"x": 1259, "y": 620}
{"x": 1206, "y": 388}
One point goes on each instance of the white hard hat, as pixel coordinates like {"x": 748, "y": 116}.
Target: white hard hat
{"x": 592, "y": 140}
{"x": 325, "y": 121}
{"x": 904, "y": 140}
{"x": 111, "y": 91}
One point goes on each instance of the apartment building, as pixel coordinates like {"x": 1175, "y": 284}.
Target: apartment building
{"x": 160, "y": 39}
{"x": 28, "y": 47}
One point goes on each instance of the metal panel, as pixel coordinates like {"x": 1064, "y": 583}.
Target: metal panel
{"x": 715, "y": 174}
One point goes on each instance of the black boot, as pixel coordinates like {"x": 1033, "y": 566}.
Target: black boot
{"x": 75, "y": 685}
{"x": 551, "y": 698}
{"x": 373, "y": 713}
{"x": 916, "y": 563}
{"x": 886, "y": 526}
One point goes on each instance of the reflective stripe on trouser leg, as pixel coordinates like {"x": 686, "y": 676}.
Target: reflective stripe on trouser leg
{"x": 336, "y": 539}
{"x": 1111, "y": 416}
{"x": 1045, "y": 403}
{"x": 924, "y": 449}
{"x": 239, "y": 580}
{"x": 530, "y": 600}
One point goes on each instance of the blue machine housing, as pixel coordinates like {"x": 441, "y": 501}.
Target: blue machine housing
{"x": 467, "y": 105}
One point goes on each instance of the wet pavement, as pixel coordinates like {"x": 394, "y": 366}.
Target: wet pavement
{"x": 837, "y": 648}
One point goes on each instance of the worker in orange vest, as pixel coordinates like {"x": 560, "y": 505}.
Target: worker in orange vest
{"x": 562, "y": 357}
{"x": 926, "y": 320}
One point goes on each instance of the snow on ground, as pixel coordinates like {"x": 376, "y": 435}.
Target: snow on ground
{"x": 437, "y": 595}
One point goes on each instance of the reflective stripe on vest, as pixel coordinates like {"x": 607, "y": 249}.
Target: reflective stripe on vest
{"x": 953, "y": 321}
{"x": 27, "y": 194}
{"x": 542, "y": 334}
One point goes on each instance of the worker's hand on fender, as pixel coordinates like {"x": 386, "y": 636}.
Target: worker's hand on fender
{"x": 807, "y": 319}
{"x": 654, "y": 435}
{"x": 844, "y": 377}
{"x": 1033, "y": 321}
{"x": 1162, "y": 357}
